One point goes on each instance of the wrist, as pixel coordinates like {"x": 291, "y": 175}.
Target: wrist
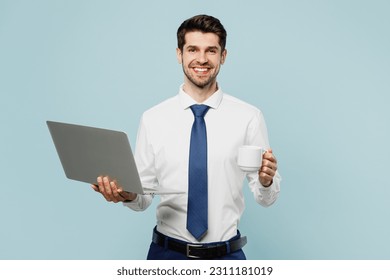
{"x": 128, "y": 197}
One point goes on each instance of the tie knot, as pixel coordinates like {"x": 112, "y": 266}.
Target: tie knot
{"x": 199, "y": 110}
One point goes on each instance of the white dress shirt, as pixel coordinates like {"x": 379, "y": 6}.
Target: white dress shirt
{"x": 162, "y": 155}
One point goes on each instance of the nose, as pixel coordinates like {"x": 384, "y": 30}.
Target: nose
{"x": 202, "y": 58}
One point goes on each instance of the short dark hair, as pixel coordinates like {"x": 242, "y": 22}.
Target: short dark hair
{"x": 202, "y": 23}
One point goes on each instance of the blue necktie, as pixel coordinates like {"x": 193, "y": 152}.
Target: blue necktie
{"x": 197, "y": 175}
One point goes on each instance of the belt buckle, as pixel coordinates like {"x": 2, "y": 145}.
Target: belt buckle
{"x": 189, "y": 246}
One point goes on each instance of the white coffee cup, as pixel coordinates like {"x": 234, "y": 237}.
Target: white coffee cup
{"x": 250, "y": 158}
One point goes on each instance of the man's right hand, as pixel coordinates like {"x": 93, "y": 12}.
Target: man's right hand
{"x": 111, "y": 191}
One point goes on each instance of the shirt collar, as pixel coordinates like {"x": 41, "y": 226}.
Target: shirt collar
{"x": 213, "y": 101}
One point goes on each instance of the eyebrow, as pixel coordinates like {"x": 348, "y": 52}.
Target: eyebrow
{"x": 207, "y": 48}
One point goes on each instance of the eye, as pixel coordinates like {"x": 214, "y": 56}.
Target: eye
{"x": 212, "y": 51}
{"x": 191, "y": 50}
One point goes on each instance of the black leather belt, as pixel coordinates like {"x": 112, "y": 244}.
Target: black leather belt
{"x": 199, "y": 251}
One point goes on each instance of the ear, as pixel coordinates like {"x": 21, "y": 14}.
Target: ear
{"x": 223, "y": 56}
{"x": 179, "y": 55}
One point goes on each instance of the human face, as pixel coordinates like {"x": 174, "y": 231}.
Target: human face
{"x": 201, "y": 59}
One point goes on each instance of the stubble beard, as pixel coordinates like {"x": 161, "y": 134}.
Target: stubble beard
{"x": 198, "y": 82}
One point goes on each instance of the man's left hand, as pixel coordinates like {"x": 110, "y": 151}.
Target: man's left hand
{"x": 268, "y": 168}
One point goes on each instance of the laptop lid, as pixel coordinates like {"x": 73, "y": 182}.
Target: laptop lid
{"x": 88, "y": 152}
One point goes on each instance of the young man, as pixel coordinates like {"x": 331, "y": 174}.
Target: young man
{"x": 190, "y": 143}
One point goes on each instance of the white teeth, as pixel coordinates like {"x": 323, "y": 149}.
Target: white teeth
{"x": 201, "y": 69}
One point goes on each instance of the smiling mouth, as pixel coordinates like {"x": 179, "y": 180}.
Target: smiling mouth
{"x": 201, "y": 70}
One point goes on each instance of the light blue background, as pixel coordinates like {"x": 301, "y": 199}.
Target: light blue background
{"x": 319, "y": 71}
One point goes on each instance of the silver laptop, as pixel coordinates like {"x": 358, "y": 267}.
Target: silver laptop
{"x": 88, "y": 152}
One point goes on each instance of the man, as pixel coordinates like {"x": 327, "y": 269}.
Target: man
{"x": 180, "y": 148}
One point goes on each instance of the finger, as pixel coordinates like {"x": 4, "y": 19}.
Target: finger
{"x": 268, "y": 171}
{"x": 95, "y": 187}
{"x": 100, "y": 184}
{"x": 269, "y": 159}
{"x": 269, "y": 156}
{"x": 102, "y": 188}
{"x": 114, "y": 188}
{"x": 122, "y": 195}
{"x": 265, "y": 179}
{"x": 107, "y": 186}
{"x": 127, "y": 195}
{"x": 116, "y": 196}
{"x": 269, "y": 164}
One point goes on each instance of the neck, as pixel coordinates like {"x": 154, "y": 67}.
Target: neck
{"x": 200, "y": 94}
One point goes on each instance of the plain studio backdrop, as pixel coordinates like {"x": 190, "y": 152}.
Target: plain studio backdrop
{"x": 318, "y": 70}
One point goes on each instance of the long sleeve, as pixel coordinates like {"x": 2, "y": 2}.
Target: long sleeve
{"x": 144, "y": 158}
{"x": 258, "y": 136}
